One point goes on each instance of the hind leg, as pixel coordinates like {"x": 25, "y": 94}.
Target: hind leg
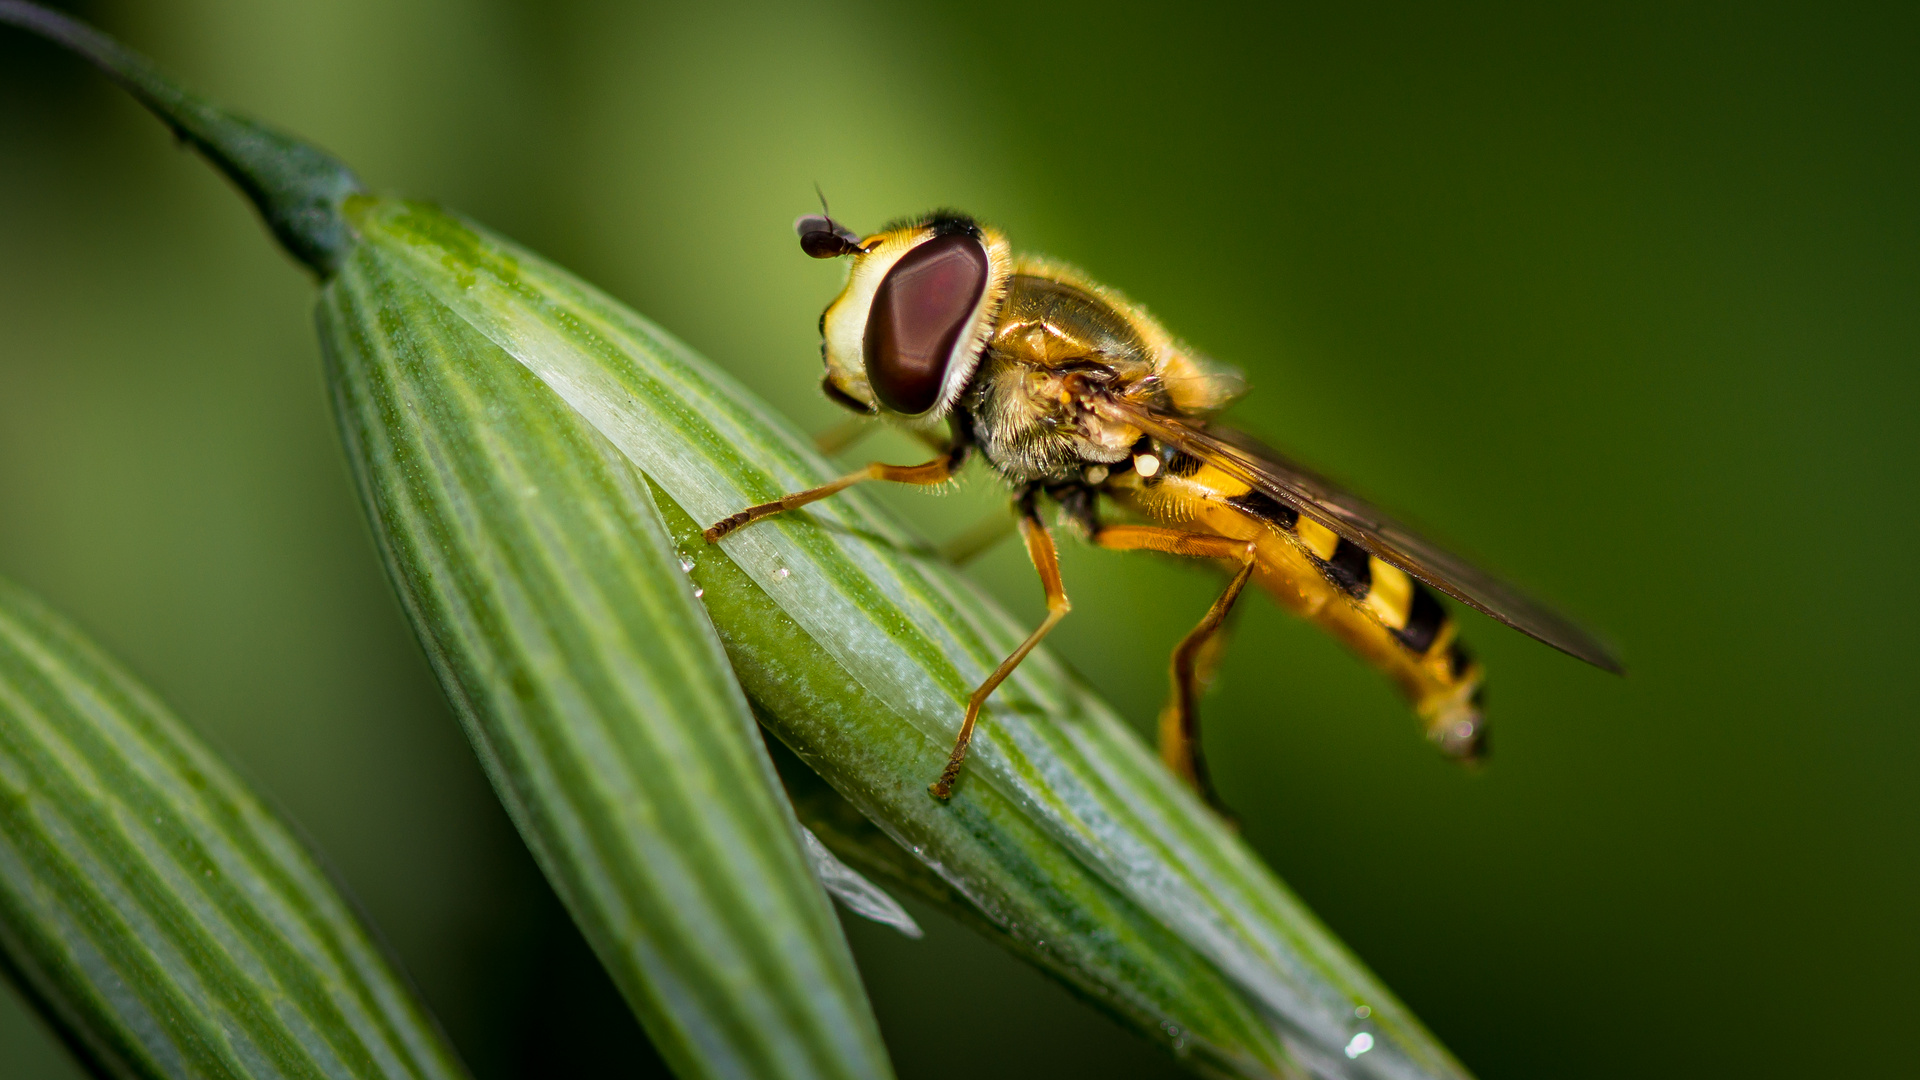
{"x": 1194, "y": 660}
{"x": 1195, "y": 656}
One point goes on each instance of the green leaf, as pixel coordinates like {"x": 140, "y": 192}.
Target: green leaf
{"x": 532, "y": 561}
{"x": 538, "y": 575}
{"x": 155, "y": 908}
{"x": 1065, "y": 833}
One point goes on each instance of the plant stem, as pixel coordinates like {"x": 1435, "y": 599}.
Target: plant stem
{"x": 297, "y": 188}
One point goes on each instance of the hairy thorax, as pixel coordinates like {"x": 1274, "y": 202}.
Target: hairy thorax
{"x": 1054, "y": 351}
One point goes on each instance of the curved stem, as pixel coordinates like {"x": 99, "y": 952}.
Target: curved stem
{"x": 297, "y": 188}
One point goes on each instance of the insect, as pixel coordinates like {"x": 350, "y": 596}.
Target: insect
{"x": 1075, "y": 395}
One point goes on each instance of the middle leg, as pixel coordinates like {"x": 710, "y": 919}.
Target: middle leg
{"x": 1047, "y": 561}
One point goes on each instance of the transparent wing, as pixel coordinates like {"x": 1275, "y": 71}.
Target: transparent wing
{"x": 1364, "y": 524}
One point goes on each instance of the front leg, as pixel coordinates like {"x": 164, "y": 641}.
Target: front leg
{"x": 937, "y": 471}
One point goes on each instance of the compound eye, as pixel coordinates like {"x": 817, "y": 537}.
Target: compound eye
{"x": 824, "y": 238}
{"x": 919, "y": 313}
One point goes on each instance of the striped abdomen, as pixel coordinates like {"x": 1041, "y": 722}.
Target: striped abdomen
{"x": 1376, "y": 609}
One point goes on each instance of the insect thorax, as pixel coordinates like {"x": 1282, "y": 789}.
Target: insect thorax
{"x": 1052, "y": 344}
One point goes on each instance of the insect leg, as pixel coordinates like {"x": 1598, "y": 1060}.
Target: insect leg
{"x": 1047, "y": 562}
{"x": 937, "y": 471}
{"x": 1180, "y": 744}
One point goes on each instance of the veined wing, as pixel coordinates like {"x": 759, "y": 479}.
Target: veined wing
{"x": 1364, "y": 524}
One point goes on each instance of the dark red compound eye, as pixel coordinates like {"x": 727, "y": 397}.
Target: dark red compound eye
{"x": 919, "y": 313}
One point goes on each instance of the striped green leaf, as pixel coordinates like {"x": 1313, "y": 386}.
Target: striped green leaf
{"x": 539, "y": 576}
{"x": 1064, "y": 834}
{"x": 159, "y": 913}
{"x": 493, "y": 406}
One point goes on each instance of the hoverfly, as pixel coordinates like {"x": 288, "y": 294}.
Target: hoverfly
{"x": 1072, "y": 393}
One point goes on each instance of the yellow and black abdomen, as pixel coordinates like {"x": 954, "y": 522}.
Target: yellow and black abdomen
{"x": 1379, "y": 611}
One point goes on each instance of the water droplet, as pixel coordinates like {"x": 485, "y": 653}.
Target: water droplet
{"x": 781, "y": 574}
{"x": 1361, "y": 1043}
{"x": 1363, "y": 1012}
{"x": 698, "y": 592}
{"x": 686, "y": 565}
{"x": 1177, "y": 1038}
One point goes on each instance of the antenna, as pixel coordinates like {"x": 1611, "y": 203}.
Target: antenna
{"x": 822, "y": 237}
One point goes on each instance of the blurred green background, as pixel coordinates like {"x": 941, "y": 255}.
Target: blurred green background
{"x": 1625, "y": 301}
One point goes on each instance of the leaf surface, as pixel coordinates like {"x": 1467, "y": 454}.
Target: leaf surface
{"x": 860, "y": 652}
{"x": 534, "y": 566}
{"x": 155, "y": 909}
